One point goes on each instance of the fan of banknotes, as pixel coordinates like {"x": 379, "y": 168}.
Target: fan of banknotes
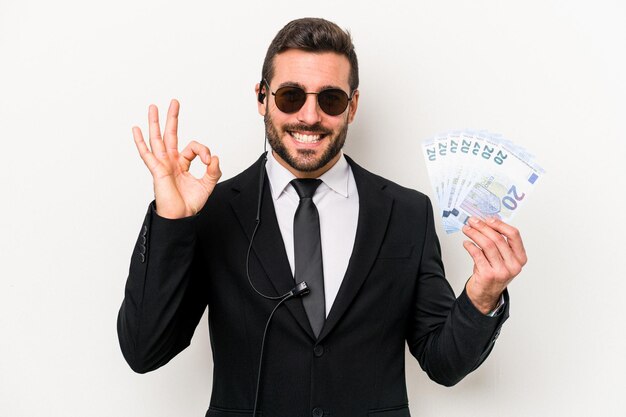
{"x": 477, "y": 173}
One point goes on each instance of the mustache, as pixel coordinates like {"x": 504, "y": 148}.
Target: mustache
{"x": 316, "y": 128}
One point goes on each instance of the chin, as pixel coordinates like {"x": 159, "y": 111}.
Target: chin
{"x": 305, "y": 155}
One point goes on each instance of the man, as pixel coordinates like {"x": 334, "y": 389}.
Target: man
{"x": 232, "y": 246}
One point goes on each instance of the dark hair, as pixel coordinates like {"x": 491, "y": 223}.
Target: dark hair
{"x": 314, "y": 35}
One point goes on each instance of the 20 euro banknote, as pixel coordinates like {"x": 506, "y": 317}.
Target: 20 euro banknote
{"x": 476, "y": 173}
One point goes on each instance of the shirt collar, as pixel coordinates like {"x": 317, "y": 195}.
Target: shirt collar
{"x": 336, "y": 178}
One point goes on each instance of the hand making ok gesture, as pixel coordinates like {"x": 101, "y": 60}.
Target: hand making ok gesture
{"x": 178, "y": 193}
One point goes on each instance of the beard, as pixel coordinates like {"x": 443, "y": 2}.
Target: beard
{"x": 305, "y": 160}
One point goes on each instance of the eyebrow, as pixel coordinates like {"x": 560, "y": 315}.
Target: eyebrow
{"x": 296, "y": 84}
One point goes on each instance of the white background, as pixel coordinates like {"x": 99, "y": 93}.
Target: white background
{"x": 76, "y": 75}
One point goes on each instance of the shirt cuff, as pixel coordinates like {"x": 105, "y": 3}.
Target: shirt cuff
{"x": 499, "y": 308}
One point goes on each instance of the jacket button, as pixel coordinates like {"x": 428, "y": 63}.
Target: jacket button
{"x": 142, "y": 249}
{"x": 142, "y": 257}
{"x": 317, "y": 412}
{"x": 318, "y": 350}
{"x": 144, "y": 230}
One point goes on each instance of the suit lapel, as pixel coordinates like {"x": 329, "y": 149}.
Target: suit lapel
{"x": 268, "y": 243}
{"x": 374, "y": 211}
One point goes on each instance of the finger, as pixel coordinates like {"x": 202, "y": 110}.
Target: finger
{"x": 212, "y": 174}
{"x": 513, "y": 238}
{"x": 189, "y": 154}
{"x": 145, "y": 154}
{"x": 156, "y": 143}
{"x": 488, "y": 246}
{"x": 510, "y": 260}
{"x": 477, "y": 255}
{"x": 511, "y": 263}
{"x": 171, "y": 127}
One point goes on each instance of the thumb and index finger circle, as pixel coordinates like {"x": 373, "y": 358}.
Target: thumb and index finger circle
{"x": 190, "y": 152}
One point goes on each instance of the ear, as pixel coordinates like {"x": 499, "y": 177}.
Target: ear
{"x": 261, "y": 97}
{"x": 354, "y": 104}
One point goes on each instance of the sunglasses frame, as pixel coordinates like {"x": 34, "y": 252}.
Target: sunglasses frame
{"x": 308, "y": 93}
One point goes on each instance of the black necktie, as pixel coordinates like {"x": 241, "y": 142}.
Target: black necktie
{"x": 308, "y": 252}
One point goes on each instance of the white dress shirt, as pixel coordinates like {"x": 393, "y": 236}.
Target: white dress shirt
{"x": 337, "y": 202}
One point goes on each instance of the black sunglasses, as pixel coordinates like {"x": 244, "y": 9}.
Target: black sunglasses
{"x": 332, "y": 101}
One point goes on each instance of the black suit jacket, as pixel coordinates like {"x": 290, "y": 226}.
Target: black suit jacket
{"x": 394, "y": 292}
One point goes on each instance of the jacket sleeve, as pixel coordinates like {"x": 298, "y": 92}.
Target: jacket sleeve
{"x": 164, "y": 297}
{"x": 449, "y": 337}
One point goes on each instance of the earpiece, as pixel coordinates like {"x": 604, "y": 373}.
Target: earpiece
{"x": 261, "y": 96}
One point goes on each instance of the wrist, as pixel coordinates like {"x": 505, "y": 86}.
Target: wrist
{"x": 172, "y": 212}
{"x": 485, "y": 302}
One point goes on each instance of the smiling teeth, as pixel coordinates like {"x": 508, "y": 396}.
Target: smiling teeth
{"x": 305, "y": 138}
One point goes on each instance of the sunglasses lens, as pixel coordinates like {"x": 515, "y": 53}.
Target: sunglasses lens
{"x": 333, "y": 101}
{"x": 290, "y": 99}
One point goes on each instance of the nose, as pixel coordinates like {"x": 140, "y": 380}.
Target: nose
{"x": 310, "y": 113}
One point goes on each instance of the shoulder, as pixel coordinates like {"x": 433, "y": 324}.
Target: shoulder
{"x": 245, "y": 179}
{"x": 368, "y": 181}
{"x": 228, "y": 191}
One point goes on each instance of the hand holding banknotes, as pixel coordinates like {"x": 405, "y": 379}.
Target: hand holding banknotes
{"x": 480, "y": 179}
{"x": 499, "y": 255}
